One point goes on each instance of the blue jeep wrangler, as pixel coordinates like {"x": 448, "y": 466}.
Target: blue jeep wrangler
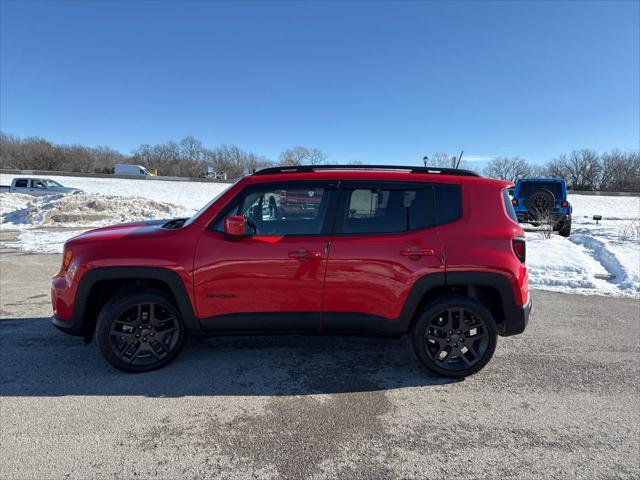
{"x": 543, "y": 201}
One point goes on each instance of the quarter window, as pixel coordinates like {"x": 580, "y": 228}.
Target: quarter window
{"x": 21, "y": 183}
{"x": 448, "y": 203}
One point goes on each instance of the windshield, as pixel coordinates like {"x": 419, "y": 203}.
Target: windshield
{"x": 211, "y": 202}
{"x": 51, "y": 183}
{"x": 527, "y": 187}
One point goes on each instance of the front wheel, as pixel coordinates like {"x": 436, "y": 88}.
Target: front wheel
{"x": 138, "y": 332}
{"x": 455, "y": 336}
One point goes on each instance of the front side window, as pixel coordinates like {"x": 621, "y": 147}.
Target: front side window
{"x": 281, "y": 210}
{"x": 380, "y": 210}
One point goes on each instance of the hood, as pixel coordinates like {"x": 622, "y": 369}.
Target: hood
{"x": 150, "y": 228}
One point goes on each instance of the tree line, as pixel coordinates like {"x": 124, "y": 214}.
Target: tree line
{"x": 186, "y": 158}
{"x": 582, "y": 169}
{"x": 613, "y": 171}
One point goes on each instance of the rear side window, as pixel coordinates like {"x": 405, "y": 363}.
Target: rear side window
{"x": 21, "y": 183}
{"x": 380, "y": 210}
{"x": 448, "y": 203}
{"x": 508, "y": 205}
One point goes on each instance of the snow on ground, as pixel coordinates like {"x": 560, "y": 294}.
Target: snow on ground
{"x": 42, "y": 241}
{"x": 602, "y": 250}
{"x": 557, "y": 263}
{"x": 190, "y": 195}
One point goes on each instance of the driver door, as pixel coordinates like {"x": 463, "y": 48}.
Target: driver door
{"x": 272, "y": 279}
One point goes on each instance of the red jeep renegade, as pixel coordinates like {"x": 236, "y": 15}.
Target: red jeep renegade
{"x": 349, "y": 250}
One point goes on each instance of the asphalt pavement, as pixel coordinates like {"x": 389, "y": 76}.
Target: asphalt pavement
{"x": 559, "y": 401}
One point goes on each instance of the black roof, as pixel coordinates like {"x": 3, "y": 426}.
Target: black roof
{"x": 410, "y": 169}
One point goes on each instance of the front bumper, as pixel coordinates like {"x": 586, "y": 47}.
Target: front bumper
{"x": 516, "y": 319}
{"x": 67, "y": 326}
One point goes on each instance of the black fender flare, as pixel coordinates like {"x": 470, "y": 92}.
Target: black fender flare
{"x": 515, "y": 319}
{"x": 164, "y": 275}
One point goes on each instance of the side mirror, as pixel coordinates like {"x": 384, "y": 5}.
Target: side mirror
{"x": 235, "y": 226}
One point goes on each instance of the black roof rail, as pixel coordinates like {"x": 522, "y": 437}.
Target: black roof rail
{"x": 410, "y": 169}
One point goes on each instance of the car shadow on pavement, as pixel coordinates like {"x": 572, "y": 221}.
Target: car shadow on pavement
{"x": 37, "y": 360}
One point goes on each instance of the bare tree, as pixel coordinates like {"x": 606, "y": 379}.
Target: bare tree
{"x": 621, "y": 171}
{"x": 581, "y": 169}
{"x": 441, "y": 159}
{"x": 510, "y": 169}
{"x": 10, "y": 148}
{"x": 302, "y": 156}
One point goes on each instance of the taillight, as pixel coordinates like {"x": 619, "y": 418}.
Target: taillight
{"x": 520, "y": 249}
{"x": 514, "y": 202}
{"x": 564, "y": 204}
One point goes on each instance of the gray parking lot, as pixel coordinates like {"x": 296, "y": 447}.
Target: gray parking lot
{"x": 559, "y": 401}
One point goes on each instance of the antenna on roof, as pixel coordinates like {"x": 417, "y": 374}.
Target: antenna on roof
{"x": 459, "y": 159}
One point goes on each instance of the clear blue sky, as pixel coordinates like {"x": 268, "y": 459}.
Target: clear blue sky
{"x": 375, "y": 82}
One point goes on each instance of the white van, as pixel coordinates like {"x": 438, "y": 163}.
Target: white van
{"x": 127, "y": 169}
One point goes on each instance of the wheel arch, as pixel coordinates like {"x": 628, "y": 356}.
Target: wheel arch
{"x": 99, "y": 285}
{"x": 493, "y": 290}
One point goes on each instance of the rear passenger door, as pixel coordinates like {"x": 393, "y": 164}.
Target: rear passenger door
{"x": 384, "y": 239}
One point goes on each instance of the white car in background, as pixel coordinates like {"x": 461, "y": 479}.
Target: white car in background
{"x": 38, "y": 186}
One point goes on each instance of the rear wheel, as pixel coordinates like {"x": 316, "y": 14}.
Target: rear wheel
{"x": 139, "y": 332}
{"x": 455, "y": 336}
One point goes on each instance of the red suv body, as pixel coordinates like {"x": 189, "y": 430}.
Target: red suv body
{"x": 385, "y": 251}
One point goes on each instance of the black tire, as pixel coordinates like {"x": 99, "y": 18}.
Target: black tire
{"x": 540, "y": 203}
{"x": 430, "y": 338}
{"x": 565, "y": 228}
{"x": 139, "y": 331}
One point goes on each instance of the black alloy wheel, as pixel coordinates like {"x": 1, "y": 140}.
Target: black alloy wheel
{"x": 455, "y": 337}
{"x": 139, "y": 332}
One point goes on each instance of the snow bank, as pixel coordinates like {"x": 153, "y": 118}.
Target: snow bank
{"x": 84, "y": 210}
{"x": 583, "y": 265}
{"x": 10, "y": 202}
{"x": 596, "y": 258}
